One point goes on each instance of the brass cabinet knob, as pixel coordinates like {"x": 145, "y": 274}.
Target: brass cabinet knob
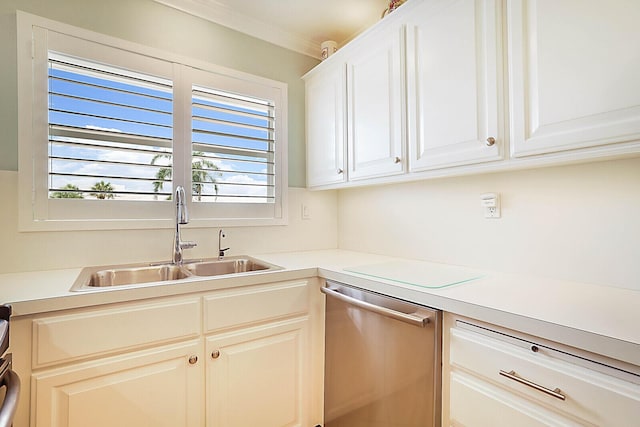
{"x": 491, "y": 141}
{"x": 193, "y": 360}
{"x": 215, "y": 354}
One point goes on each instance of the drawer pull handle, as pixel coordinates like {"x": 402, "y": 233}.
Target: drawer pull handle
{"x": 513, "y": 376}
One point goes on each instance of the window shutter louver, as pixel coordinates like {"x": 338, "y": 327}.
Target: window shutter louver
{"x": 110, "y": 132}
{"x": 233, "y": 152}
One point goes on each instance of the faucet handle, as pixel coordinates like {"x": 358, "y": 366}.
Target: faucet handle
{"x": 222, "y": 251}
{"x": 188, "y": 245}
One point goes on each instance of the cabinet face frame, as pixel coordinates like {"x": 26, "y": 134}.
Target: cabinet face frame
{"x": 455, "y": 102}
{"x": 538, "y": 80}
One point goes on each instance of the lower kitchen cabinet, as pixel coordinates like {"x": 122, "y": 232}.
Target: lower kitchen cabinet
{"x": 157, "y": 387}
{"x": 259, "y": 376}
{"x": 232, "y": 357}
{"x": 497, "y": 377}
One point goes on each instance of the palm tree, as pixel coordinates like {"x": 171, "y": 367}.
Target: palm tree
{"x": 72, "y": 192}
{"x": 200, "y": 173}
{"x": 102, "y": 190}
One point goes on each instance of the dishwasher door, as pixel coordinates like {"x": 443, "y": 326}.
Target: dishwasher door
{"x": 382, "y": 360}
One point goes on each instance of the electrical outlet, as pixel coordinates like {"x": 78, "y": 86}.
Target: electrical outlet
{"x": 492, "y": 212}
{"x": 491, "y": 204}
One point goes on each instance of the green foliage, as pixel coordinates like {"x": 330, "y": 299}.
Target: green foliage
{"x": 72, "y": 193}
{"x": 102, "y": 190}
{"x": 200, "y": 174}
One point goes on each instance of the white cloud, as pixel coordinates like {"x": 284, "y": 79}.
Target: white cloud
{"x": 93, "y": 127}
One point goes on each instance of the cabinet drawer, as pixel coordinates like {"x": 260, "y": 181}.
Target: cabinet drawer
{"x": 236, "y": 308}
{"x": 475, "y": 402}
{"x": 590, "y": 393}
{"x": 75, "y": 336}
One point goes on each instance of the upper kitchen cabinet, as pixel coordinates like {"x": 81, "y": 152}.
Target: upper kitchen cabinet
{"x": 326, "y": 150}
{"x": 454, "y": 81}
{"x": 375, "y": 104}
{"x": 574, "y": 68}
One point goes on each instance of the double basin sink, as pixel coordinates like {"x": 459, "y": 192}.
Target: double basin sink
{"x": 143, "y": 274}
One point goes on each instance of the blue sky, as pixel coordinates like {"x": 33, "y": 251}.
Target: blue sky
{"x": 152, "y": 105}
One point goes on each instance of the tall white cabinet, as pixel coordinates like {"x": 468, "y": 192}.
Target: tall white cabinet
{"x": 454, "y": 82}
{"x": 326, "y": 134}
{"x": 375, "y": 105}
{"x": 573, "y": 70}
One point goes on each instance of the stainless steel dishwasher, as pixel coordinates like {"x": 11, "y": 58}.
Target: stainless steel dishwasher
{"x": 382, "y": 360}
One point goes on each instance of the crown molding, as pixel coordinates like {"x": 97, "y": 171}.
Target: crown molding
{"x": 225, "y": 16}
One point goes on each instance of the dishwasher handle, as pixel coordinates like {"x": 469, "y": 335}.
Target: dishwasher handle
{"x": 415, "y": 319}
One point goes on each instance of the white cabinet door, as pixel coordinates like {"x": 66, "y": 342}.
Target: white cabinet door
{"x": 259, "y": 376}
{"x": 375, "y": 104}
{"x": 326, "y": 151}
{"x": 574, "y": 68}
{"x": 158, "y": 387}
{"x": 454, "y": 63}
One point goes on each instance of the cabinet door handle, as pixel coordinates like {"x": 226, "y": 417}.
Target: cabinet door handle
{"x": 193, "y": 360}
{"x": 397, "y": 160}
{"x": 491, "y": 141}
{"x": 513, "y": 376}
{"x": 215, "y": 354}
{"x": 340, "y": 171}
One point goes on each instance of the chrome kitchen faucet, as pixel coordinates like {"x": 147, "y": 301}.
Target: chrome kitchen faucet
{"x": 182, "y": 217}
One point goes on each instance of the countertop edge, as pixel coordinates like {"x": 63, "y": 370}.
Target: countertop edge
{"x": 46, "y": 292}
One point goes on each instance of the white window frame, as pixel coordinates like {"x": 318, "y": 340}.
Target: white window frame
{"x": 37, "y": 212}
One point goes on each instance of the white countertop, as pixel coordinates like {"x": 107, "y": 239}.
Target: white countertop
{"x": 604, "y": 320}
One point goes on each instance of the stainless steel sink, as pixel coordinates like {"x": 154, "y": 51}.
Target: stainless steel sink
{"x": 146, "y": 274}
{"x": 226, "y": 266}
{"x": 135, "y": 275}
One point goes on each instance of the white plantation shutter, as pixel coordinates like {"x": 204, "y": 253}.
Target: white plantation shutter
{"x": 109, "y": 128}
{"x": 110, "y": 132}
{"x": 233, "y": 147}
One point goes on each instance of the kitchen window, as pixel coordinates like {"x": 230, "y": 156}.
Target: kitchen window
{"x": 108, "y": 129}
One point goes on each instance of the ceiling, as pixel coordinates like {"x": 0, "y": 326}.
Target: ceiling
{"x": 299, "y": 25}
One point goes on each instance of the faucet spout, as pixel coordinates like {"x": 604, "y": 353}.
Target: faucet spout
{"x": 182, "y": 218}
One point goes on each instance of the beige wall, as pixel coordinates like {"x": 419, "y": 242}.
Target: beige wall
{"x": 155, "y": 25}
{"x": 578, "y": 222}
{"x": 53, "y": 250}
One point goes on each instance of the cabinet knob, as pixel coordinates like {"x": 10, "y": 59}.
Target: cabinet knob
{"x": 340, "y": 171}
{"x": 490, "y": 141}
{"x": 215, "y": 354}
{"x": 193, "y": 360}
{"x": 397, "y": 160}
